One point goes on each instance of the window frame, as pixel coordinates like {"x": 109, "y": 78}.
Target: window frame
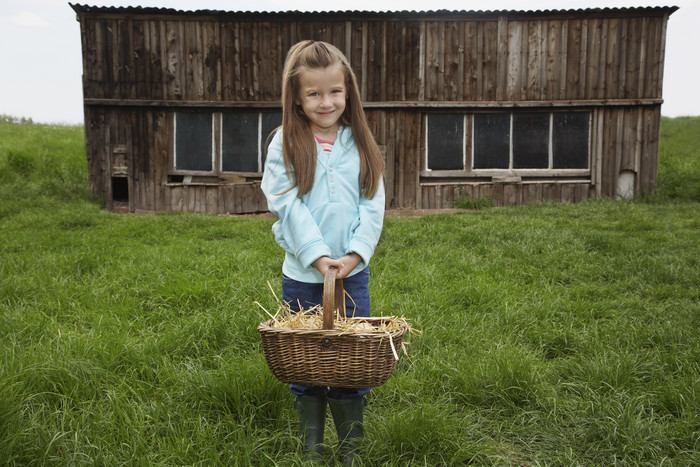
{"x": 469, "y": 146}
{"x": 218, "y": 149}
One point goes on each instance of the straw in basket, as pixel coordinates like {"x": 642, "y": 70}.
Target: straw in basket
{"x": 328, "y": 356}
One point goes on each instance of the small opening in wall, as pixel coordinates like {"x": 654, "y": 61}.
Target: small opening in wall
{"x": 120, "y": 189}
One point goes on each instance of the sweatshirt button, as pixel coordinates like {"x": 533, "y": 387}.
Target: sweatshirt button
{"x": 331, "y": 179}
{"x": 332, "y": 190}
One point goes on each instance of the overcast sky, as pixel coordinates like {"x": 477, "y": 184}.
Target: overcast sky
{"x": 41, "y": 63}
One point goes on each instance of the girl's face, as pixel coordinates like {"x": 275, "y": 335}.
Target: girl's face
{"x": 322, "y": 97}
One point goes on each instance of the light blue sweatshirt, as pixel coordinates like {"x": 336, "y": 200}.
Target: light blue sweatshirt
{"x": 332, "y": 219}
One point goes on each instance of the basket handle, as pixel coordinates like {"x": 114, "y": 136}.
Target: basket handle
{"x": 333, "y": 297}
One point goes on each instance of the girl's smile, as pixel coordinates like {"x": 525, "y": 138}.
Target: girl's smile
{"x": 322, "y": 97}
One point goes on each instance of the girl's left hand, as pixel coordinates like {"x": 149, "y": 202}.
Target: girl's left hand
{"x": 349, "y": 262}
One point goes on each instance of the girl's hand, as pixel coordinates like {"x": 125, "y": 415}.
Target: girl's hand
{"x": 349, "y": 263}
{"x": 324, "y": 263}
{"x": 345, "y": 264}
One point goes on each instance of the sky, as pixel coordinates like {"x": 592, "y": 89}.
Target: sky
{"x": 41, "y": 61}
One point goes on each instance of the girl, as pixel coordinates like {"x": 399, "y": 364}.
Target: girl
{"x": 323, "y": 179}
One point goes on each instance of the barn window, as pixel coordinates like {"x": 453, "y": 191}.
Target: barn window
{"x": 239, "y": 151}
{"x": 570, "y": 140}
{"x": 211, "y": 144}
{"x": 524, "y": 142}
{"x": 491, "y": 141}
{"x": 446, "y": 141}
{"x": 193, "y": 141}
{"x": 243, "y": 137}
{"x": 531, "y": 140}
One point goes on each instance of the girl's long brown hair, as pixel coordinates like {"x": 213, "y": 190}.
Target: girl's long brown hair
{"x": 299, "y": 145}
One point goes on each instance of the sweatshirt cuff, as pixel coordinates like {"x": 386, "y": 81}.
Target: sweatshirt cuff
{"x": 312, "y": 252}
{"x": 361, "y": 248}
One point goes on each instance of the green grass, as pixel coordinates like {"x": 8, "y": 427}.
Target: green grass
{"x": 679, "y": 155}
{"x": 553, "y": 334}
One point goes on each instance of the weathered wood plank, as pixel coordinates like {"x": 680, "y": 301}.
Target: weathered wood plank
{"x": 583, "y": 56}
{"x": 535, "y": 57}
{"x": 563, "y": 59}
{"x": 159, "y": 153}
{"x": 211, "y": 61}
{"x": 502, "y": 59}
{"x": 394, "y": 79}
{"x": 140, "y": 45}
{"x": 173, "y": 86}
{"x": 471, "y": 61}
{"x": 375, "y": 64}
{"x": 514, "y": 59}
{"x": 229, "y": 60}
{"x": 612, "y": 57}
{"x": 652, "y": 51}
{"x": 490, "y": 70}
{"x": 245, "y": 87}
{"x": 573, "y": 60}
{"x": 531, "y": 192}
{"x": 554, "y": 59}
{"x": 432, "y": 60}
{"x": 391, "y": 143}
{"x": 356, "y": 57}
{"x": 649, "y": 161}
{"x": 452, "y": 53}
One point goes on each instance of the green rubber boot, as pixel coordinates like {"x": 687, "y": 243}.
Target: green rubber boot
{"x": 312, "y": 421}
{"x": 347, "y": 416}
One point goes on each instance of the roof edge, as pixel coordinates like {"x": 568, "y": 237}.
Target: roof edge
{"x": 82, "y": 9}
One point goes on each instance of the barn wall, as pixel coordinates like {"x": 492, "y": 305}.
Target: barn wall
{"x": 139, "y": 69}
{"x": 143, "y": 161}
{"x": 460, "y": 59}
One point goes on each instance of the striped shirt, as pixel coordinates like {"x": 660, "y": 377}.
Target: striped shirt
{"x": 326, "y": 145}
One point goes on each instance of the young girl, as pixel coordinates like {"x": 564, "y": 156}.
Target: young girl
{"x": 323, "y": 179}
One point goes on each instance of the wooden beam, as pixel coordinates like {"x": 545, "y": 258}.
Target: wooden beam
{"x": 382, "y": 105}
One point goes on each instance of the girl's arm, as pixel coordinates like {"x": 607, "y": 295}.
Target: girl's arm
{"x": 296, "y": 231}
{"x": 366, "y": 235}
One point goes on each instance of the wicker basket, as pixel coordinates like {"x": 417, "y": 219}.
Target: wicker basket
{"x": 331, "y": 357}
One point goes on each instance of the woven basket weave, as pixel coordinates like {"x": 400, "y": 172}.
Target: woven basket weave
{"x": 331, "y": 357}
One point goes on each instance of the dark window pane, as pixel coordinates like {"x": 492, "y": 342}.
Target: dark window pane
{"x": 239, "y": 142}
{"x": 491, "y": 141}
{"x": 530, "y": 140}
{"x": 446, "y": 141}
{"x": 270, "y": 122}
{"x": 193, "y": 149}
{"x": 570, "y": 140}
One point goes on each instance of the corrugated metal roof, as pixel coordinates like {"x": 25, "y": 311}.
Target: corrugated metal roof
{"x": 138, "y": 10}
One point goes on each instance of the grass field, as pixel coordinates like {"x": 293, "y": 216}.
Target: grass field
{"x": 553, "y": 334}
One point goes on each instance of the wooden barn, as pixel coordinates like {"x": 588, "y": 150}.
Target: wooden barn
{"x": 517, "y": 106}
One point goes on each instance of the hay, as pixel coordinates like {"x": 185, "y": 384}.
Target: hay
{"x": 312, "y": 318}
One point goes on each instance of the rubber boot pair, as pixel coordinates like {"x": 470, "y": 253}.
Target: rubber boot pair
{"x": 347, "y": 417}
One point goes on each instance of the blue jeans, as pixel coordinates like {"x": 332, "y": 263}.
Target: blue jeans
{"x": 311, "y": 294}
